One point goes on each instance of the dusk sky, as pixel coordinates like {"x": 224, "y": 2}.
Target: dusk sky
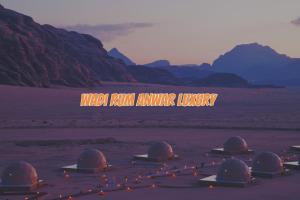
{"x": 182, "y": 31}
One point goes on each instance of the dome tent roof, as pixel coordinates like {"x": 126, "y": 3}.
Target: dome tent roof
{"x": 19, "y": 174}
{"x": 92, "y": 159}
{"x": 268, "y": 162}
{"x": 160, "y": 151}
{"x": 236, "y": 144}
{"x": 234, "y": 170}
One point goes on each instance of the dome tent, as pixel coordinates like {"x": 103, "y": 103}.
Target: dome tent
{"x": 158, "y": 152}
{"x": 90, "y": 161}
{"x": 232, "y": 172}
{"x": 19, "y": 176}
{"x": 234, "y": 145}
{"x": 267, "y": 164}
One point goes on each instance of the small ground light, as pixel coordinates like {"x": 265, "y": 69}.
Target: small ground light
{"x": 128, "y": 189}
{"x": 210, "y": 186}
{"x": 101, "y": 193}
{"x": 137, "y": 180}
{"x": 173, "y": 175}
{"x": 126, "y": 179}
{"x": 195, "y": 173}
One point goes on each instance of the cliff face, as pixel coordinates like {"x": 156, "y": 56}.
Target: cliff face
{"x": 41, "y": 55}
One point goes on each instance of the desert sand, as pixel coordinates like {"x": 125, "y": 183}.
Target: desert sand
{"x": 47, "y": 128}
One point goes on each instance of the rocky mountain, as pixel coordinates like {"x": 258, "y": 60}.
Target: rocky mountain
{"x": 42, "y": 55}
{"x": 258, "y": 64}
{"x": 146, "y": 74}
{"x": 158, "y": 63}
{"x": 222, "y": 80}
{"x": 189, "y": 71}
{"x": 114, "y": 52}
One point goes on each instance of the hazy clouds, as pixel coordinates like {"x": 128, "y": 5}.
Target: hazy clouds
{"x": 296, "y": 22}
{"x": 108, "y": 32}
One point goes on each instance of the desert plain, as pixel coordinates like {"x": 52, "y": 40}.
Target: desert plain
{"x": 49, "y": 129}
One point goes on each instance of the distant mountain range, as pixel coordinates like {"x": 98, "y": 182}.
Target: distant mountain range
{"x": 222, "y": 79}
{"x": 42, "y": 55}
{"x": 254, "y": 62}
{"x": 147, "y": 74}
{"x": 259, "y": 64}
{"x": 158, "y": 63}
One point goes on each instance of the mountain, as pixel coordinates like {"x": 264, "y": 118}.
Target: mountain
{"x": 222, "y": 80}
{"x": 258, "y": 64}
{"x": 191, "y": 72}
{"x": 115, "y": 53}
{"x": 158, "y": 63}
{"x": 42, "y": 55}
{"x": 146, "y": 74}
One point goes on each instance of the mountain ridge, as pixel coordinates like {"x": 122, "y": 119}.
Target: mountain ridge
{"x": 42, "y": 55}
{"x": 257, "y": 63}
{"x": 114, "y": 52}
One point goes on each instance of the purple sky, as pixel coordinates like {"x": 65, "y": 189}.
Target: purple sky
{"x": 184, "y": 32}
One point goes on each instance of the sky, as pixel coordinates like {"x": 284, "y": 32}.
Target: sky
{"x": 181, "y": 31}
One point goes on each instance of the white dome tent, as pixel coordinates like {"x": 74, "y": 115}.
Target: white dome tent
{"x": 91, "y": 161}
{"x": 267, "y": 164}
{"x": 234, "y": 145}
{"x": 232, "y": 172}
{"x": 158, "y": 152}
{"x": 19, "y": 176}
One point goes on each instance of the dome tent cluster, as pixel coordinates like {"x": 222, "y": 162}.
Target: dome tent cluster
{"x": 21, "y": 176}
{"x": 235, "y": 172}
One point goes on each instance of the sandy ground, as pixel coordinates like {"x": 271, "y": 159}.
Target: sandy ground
{"x": 47, "y": 128}
{"x": 192, "y": 145}
{"x": 235, "y": 108}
